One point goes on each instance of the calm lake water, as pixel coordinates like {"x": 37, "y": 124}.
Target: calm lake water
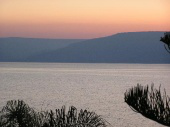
{"x": 96, "y": 87}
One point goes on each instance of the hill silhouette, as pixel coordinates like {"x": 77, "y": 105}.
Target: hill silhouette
{"x": 133, "y": 47}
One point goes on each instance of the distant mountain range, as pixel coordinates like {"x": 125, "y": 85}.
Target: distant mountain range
{"x": 133, "y": 47}
{"x": 19, "y": 49}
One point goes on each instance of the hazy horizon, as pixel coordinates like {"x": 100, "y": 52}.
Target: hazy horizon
{"x": 79, "y": 38}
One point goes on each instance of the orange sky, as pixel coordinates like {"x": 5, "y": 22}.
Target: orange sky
{"x": 81, "y": 18}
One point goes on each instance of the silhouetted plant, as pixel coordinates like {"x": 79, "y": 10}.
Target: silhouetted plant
{"x": 150, "y": 104}
{"x": 19, "y": 114}
{"x": 166, "y": 41}
{"x": 61, "y": 118}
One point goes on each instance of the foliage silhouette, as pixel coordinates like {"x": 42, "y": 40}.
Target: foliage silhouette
{"x": 150, "y": 104}
{"x": 19, "y": 114}
{"x": 166, "y": 41}
{"x": 73, "y": 119}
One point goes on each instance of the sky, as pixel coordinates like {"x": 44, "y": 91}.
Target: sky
{"x": 81, "y": 18}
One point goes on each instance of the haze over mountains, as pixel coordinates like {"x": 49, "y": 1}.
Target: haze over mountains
{"x": 19, "y": 49}
{"x": 133, "y": 47}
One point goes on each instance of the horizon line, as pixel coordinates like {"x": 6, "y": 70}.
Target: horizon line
{"x": 79, "y": 38}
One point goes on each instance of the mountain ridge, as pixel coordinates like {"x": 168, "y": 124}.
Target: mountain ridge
{"x": 17, "y": 48}
{"x": 130, "y": 47}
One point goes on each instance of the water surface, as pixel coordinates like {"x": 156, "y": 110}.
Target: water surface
{"x": 96, "y": 87}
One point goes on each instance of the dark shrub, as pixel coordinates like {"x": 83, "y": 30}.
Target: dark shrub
{"x": 19, "y": 114}
{"x": 150, "y": 104}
